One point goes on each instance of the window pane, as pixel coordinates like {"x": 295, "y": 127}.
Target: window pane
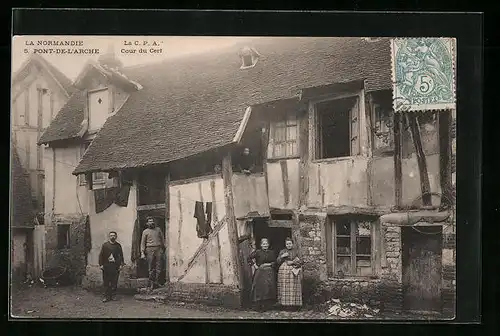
{"x": 343, "y": 228}
{"x": 344, "y": 265}
{"x": 363, "y": 229}
{"x": 363, "y": 245}
{"x": 291, "y": 132}
{"x": 291, "y": 149}
{"x": 343, "y": 245}
{"x": 279, "y": 133}
{"x": 363, "y": 266}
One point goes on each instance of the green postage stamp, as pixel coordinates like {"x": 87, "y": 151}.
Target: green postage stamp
{"x": 423, "y": 73}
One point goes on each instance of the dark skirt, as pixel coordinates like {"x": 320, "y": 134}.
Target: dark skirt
{"x": 264, "y": 284}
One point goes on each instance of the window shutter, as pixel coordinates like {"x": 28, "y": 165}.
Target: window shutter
{"x": 355, "y": 129}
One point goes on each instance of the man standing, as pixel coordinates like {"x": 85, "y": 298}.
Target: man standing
{"x": 153, "y": 248}
{"x": 111, "y": 262}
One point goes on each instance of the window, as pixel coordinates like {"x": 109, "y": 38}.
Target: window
{"x": 283, "y": 140}
{"x": 98, "y": 104}
{"x": 352, "y": 247}
{"x": 337, "y": 128}
{"x": 63, "y": 231}
{"x": 99, "y": 178}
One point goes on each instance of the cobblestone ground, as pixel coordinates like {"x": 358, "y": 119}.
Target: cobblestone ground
{"x": 69, "y": 302}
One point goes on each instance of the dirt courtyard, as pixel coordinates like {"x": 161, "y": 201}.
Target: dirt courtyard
{"x": 72, "y": 302}
{"x": 75, "y": 302}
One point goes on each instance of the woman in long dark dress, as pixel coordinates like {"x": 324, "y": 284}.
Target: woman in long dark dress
{"x": 264, "y": 279}
{"x": 289, "y": 277}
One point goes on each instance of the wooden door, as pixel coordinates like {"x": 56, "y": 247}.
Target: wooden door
{"x": 245, "y": 248}
{"x": 421, "y": 260}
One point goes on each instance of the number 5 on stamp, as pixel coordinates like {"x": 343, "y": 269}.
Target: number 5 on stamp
{"x": 423, "y": 73}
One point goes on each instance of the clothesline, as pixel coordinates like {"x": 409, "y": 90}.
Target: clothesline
{"x": 138, "y": 184}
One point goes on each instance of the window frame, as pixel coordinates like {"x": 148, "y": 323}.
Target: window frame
{"x": 99, "y": 181}
{"x": 66, "y": 246}
{"x": 286, "y": 118}
{"x": 315, "y": 134}
{"x": 375, "y": 252}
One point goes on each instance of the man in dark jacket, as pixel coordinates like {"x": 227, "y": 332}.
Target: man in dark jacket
{"x": 111, "y": 262}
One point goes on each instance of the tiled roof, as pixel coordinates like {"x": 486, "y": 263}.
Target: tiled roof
{"x": 22, "y": 212}
{"x": 68, "y": 122}
{"x": 193, "y": 104}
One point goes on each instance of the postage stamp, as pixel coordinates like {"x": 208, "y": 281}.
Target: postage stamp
{"x": 423, "y": 73}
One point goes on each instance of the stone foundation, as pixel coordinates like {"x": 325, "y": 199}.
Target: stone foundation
{"x": 74, "y": 258}
{"x": 383, "y": 290}
{"x": 209, "y": 294}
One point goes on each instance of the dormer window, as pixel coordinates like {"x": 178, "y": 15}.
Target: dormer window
{"x": 249, "y": 57}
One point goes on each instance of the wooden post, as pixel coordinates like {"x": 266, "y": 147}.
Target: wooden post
{"x": 422, "y": 164}
{"x": 398, "y": 173}
{"x": 227, "y": 175}
{"x": 167, "y": 225}
{"x": 445, "y": 156}
{"x": 215, "y": 219}
{"x": 304, "y": 156}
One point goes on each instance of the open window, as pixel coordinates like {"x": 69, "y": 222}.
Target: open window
{"x": 63, "y": 236}
{"x": 337, "y": 128}
{"x": 283, "y": 140}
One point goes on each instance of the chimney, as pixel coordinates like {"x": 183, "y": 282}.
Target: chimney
{"x": 109, "y": 59}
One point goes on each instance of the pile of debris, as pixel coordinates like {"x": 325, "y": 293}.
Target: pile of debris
{"x": 350, "y": 310}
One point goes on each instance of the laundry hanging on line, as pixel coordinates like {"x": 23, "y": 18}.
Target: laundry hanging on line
{"x": 204, "y": 219}
{"x": 106, "y": 196}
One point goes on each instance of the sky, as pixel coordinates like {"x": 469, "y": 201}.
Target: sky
{"x": 125, "y": 47}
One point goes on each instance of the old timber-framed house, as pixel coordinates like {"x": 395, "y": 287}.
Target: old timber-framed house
{"x": 317, "y": 116}
{"x": 39, "y": 90}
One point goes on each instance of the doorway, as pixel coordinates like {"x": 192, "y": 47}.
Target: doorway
{"x": 142, "y": 265}
{"x": 276, "y": 235}
{"x": 422, "y": 265}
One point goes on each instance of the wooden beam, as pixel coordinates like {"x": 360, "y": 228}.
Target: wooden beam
{"x": 167, "y": 225}
{"x": 227, "y": 175}
{"x": 304, "y": 157}
{"x": 398, "y": 172}
{"x": 215, "y": 219}
{"x": 422, "y": 163}
{"x": 445, "y": 156}
{"x": 151, "y": 206}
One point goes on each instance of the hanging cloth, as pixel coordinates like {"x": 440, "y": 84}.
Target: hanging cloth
{"x": 87, "y": 238}
{"x": 135, "y": 254}
{"x": 208, "y": 227}
{"x": 106, "y": 196}
{"x": 121, "y": 198}
{"x": 103, "y": 199}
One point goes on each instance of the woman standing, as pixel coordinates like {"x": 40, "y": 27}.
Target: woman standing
{"x": 264, "y": 279}
{"x": 289, "y": 277}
